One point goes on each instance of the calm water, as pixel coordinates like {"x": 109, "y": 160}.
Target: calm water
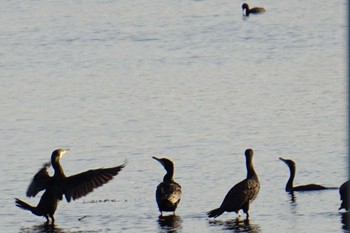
{"x": 194, "y": 81}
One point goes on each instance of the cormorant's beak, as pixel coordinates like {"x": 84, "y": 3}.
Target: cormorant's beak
{"x": 285, "y": 160}
{"x": 159, "y": 160}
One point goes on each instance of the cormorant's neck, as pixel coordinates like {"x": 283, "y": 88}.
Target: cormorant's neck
{"x": 58, "y": 168}
{"x": 289, "y": 186}
{"x": 250, "y": 168}
{"x": 169, "y": 174}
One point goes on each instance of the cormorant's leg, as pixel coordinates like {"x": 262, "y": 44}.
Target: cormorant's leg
{"x": 246, "y": 209}
{"x": 47, "y": 218}
{"x": 52, "y": 219}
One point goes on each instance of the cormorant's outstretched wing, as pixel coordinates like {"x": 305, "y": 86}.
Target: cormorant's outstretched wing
{"x": 79, "y": 185}
{"x": 39, "y": 182}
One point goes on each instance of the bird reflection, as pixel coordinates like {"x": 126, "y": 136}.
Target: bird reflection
{"x": 48, "y": 228}
{"x": 292, "y": 197}
{"x": 170, "y": 223}
{"x": 236, "y": 225}
{"x": 44, "y": 228}
{"x": 293, "y": 203}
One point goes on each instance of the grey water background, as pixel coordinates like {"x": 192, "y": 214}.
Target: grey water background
{"x": 193, "y": 81}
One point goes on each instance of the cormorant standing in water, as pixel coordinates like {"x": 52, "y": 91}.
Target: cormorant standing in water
{"x": 242, "y": 194}
{"x": 344, "y": 195}
{"x": 168, "y": 193}
{"x": 72, "y": 187}
{"x": 254, "y": 10}
{"x": 308, "y": 187}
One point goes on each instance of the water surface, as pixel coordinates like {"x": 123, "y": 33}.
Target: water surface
{"x": 194, "y": 81}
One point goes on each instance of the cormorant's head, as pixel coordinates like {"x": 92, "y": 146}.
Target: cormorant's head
{"x": 245, "y": 6}
{"x": 57, "y": 154}
{"x": 167, "y": 164}
{"x": 290, "y": 163}
{"x": 249, "y": 153}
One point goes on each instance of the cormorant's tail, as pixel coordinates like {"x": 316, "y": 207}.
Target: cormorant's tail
{"x": 23, "y": 205}
{"x": 215, "y": 213}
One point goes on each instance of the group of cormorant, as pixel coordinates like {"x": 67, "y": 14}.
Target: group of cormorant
{"x": 168, "y": 192}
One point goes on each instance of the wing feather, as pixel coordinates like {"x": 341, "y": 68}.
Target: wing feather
{"x": 169, "y": 192}
{"x": 81, "y": 184}
{"x": 175, "y": 194}
{"x": 243, "y": 192}
{"x": 39, "y": 181}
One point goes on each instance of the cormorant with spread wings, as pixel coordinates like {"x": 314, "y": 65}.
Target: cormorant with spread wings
{"x": 59, "y": 185}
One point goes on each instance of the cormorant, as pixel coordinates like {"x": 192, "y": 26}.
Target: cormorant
{"x": 72, "y": 187}
{"x": 308, "y": 187}
{"x": 344, "y": 195}
{"x": 242, "y": 194}
{"x": 168, "y": 193}
{"x": 254, "y": 10}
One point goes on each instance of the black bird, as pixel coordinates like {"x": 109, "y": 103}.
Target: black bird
{"x": 344, "y": 195}
{"x": 242, "y": 194}
{"x": 72, "y": 187}
{"x": 254, "y": 10}
{"x": 168, "y": 193}
{"x": 308, "y": 187}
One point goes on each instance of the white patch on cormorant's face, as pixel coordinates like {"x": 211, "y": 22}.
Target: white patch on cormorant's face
{"x": 63, "y": 151}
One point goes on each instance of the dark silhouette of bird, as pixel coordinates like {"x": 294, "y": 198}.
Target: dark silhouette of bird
{"x": 344, "y": 195}
{"x": 242, "y": 194}
{"x": 254, "y": 10}
{"x": 308, "y": 187}
{"x": 168, "y": 193}
{"x": 59, "y": 185}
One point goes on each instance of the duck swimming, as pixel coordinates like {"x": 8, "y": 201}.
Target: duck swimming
{"x": 309, "y": 187}
{"x": 254, "y": 10}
